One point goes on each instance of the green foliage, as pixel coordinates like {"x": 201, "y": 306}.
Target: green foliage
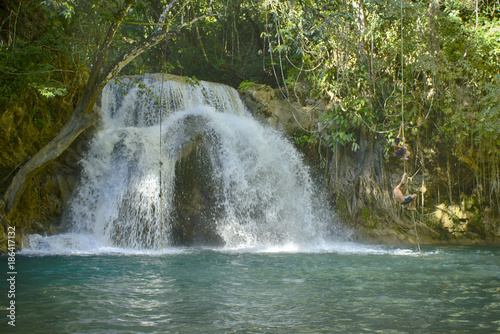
{"x": 352, "y": 56}
{"x": 488, "y": 118}
{"x": 66, "y": 9}
{"x": 223, "y": 47}
{"x": 50, "y": 91}
{"x": 193, "y": 81}
{"x": 433, "y": 65}
{"x": 305, "y": 140}
{"x": 249, "y": 85}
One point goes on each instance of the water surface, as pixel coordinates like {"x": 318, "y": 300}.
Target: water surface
{"x": 346, "y": 288}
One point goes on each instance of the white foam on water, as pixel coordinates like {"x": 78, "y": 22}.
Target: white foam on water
{"x": 76, "y": 244}
{"x": 345, "y": 247}
{"x": 85, "y": 244}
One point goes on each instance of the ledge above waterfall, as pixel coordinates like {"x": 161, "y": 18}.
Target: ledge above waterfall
{"x": 143, "y": 101}
{"x": 285, "y": 114}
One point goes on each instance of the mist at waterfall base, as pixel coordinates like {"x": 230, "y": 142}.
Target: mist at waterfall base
{"x": 280, "y": 261}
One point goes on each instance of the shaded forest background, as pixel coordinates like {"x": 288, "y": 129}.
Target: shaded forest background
{"x": 361, "y": 67}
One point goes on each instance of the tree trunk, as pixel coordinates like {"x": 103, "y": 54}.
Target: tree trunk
{"x": 80, "y": 120}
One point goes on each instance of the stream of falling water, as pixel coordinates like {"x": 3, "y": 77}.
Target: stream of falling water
{"x": 265, "y": 194}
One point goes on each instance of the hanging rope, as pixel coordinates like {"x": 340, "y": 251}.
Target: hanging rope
{"x": 402, "y": 71}
{"x": 161, "y": 166}
{"x": 416, "y": 233}
{"x": 422, "y": 189}
{"x": 402, "y": 83}
{"x": 403, "y": 117}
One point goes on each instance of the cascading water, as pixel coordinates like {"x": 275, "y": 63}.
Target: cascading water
{"x": 259, "y": 193}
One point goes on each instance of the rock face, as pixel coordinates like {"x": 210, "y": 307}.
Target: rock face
{"x": 270, "y": 105}
{"x": 361, "y": 184}
{"x": 195, "y": 216}
{"x": 43, "y": 205}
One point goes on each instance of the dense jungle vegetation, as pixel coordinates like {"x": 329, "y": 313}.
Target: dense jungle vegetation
{"x": 365, "y": 66}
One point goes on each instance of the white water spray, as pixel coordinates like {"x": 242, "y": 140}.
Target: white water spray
{"x": 264, "y": 192}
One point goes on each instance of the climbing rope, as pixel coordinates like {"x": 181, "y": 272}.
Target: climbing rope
{"x": 402, "y": 69}
{"x": 161, "y": 166}
{"x": 403, "y": 119}
{"x": 416, "y": 233}
{"x": 402, "y": 83}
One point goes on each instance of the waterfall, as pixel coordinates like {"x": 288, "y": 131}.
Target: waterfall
{"x": 256, "y": 189}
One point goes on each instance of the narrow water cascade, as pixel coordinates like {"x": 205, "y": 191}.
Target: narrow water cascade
{"x": 226, "y": 179}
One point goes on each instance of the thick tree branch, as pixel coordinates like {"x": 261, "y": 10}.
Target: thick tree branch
{"x": 80, "y": 120}
{"x": 141, "y": 46}
{"x": 83, "y": 116}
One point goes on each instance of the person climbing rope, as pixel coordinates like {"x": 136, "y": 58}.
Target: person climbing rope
{"x": 409, "y": 200}
{"x": 400, "y": 149}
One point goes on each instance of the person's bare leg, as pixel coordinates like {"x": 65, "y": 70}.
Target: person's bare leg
{"x": 406, "y": 154}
